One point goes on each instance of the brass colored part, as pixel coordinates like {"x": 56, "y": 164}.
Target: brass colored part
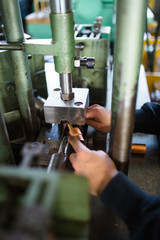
{"x": 138, "y": 148}
{"x": 75, "y": 132}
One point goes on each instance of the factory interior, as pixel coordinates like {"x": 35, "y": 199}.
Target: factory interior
{"x": 57, "y": 58}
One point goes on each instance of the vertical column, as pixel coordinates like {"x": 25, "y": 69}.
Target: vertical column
{"x": 14, "y": 34}
{"x": 130, "y": 25}
{"x": 62, "y": 25}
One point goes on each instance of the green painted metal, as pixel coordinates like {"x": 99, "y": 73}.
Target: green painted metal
{"x": 37, "y": 69}
{"x": 41, "y": 46}
{"x": 131, "y": 15}
{"x": 12, "y": 21}
{"x": 62, "y": 32}
{"x": 12, "y": 116}
{"x": 77, "y": 187}
{"x": 24, "y": 92}
{"x": 69, "y": 192}
{"x": 94, "y": 79}
{"x": 14, "y": 34}
{"x": 6, "y": 156}
{"x": 10, "y": 47}
{"x": 8, "y": 99}
{"x": 14, "y": 125}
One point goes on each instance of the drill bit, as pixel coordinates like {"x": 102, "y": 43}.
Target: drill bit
{"x": 75, "y": 132}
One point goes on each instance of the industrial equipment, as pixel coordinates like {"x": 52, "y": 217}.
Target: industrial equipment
{"x": 36, "y": 200}
{"x": 24, "y": 117}
{"x": 93, "y": 40}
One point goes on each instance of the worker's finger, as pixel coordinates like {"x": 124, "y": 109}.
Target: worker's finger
{"x": 93, "y": 106}
{"x": 72, "y": 157}
{"x": 91, "y": 114}
{"x": 93, "y": 123}
{"x": 76, "y": 144}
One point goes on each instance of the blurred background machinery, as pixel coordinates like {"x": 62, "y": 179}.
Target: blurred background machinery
{"x": 151, "y": 51}
{"x": 85, "y": 12}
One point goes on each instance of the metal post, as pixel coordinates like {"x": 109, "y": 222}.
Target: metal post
{"x": 14, "y": 34}
{"x": 62, "y": 25}
{"x": 6, "y": 155}
{"x": 127, "y": 58}
{"x": 61, "y": 6}
{"x": 66, "y": 86}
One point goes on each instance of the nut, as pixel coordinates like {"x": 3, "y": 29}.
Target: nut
{"x": 67, "y": 97}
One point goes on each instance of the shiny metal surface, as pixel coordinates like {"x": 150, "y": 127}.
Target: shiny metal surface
{"x": 57, "y": 110}
{"x": 127, "y": 60}
{"x": 66, "y": 86}
{"x": 57, "y": 159}
{"x": 66, "y": 83}
{"x": 61, "y": 6}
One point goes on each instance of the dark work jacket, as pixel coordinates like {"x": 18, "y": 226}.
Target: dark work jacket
{"x": 139, "y": 210}
{"x": 147, "y": 119}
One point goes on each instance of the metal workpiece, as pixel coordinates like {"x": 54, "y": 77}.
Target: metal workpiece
{"x": 66, "y": 86}
{"x": 57, "y": 110}
{"x": 62, "y": 26}
{"x": 5, "y": 147}
{"x": 14, "y": 34}
{"x": 61, "y": 6}
{"x": 127, "y": 60}
{"x": 12, "y": 20}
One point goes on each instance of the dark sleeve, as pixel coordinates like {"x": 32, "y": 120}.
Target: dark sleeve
{"x": 140, "y": 211}
{"x": 147, "y": 119}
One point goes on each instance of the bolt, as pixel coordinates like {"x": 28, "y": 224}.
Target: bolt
{"x": 11, "y": 87}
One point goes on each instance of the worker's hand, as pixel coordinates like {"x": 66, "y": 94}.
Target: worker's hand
{"x": 99, "y": 118}
{"x": 96, "y": 166}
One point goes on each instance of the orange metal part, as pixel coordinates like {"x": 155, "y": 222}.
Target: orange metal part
{"x": 75, "y": 132}
{"x": 138, "y": 148}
